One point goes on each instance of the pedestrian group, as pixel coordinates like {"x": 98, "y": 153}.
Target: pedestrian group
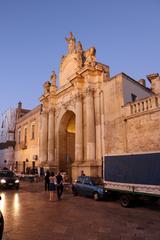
{"x": 54, "y": 184}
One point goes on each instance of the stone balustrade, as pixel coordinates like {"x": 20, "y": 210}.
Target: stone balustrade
{"x": 143, "y": 105}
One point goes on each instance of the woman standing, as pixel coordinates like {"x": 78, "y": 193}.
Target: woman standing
{"x": 46, "y": 179}
{"x": 52, "y": 187}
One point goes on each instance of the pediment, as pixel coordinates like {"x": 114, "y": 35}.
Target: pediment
{"x": 69, "y": 66}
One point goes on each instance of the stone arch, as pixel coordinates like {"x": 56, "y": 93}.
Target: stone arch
{"x": 66, "y": 141}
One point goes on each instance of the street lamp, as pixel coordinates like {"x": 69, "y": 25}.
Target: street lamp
{"x": 27, "y": 165}
{"x": 5, "y": 162}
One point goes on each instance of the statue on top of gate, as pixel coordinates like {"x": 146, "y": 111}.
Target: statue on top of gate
{"x": 71, "y": 43}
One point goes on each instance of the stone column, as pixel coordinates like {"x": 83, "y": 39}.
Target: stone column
{"x": 98, "y": 126}
{"x": 79, "y": 130}
{"x": 90, "y": 125}
{"x": 102, "y": 124}
{"x": 44, "y": 137}
{"x": 51, "y": 138}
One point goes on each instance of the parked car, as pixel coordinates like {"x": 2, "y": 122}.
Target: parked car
{"x": 1, "y": 223}
{"x": 8, "y": 179}
{"x": 90, "y": 187}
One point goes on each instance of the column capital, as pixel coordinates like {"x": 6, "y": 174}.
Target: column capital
{"x": 44, "y": 112}
{"x": 89, "y": 91}
{"x": 51, "y": 110}
{"x": 78, "y": 96}
{"x": 97, "y": 92}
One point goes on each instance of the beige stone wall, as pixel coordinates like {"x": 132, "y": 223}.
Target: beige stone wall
{"x": 28, "y": 151}
{"x": 143, "y": 132}
{"x": 125, "y": 131}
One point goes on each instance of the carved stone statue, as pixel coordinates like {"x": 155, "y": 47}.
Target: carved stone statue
{"x": 79, "y": 47}
{"x": 90, "y": 56}
{"x": 79, "y": 55}
{"x": 53, "y": 78}
{"x": 71, "y": 43}
{"x": 46, "y": 87}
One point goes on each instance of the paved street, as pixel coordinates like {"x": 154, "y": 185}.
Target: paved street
{"x": 29, "y": 215}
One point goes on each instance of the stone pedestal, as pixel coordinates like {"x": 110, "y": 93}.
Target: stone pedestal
{"x": 90, "y": 169}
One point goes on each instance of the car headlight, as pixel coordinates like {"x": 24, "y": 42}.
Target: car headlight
{"x": 16, "y": 181}
{"x": 100, "y": 189}
{"x": 3, "y": 181}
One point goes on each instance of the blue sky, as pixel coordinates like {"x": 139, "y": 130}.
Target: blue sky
{"x": 126, "y": 35}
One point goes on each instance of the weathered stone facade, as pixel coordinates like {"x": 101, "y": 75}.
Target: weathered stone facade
{"x": 89, "y": 115}
{"x": 27, "y": 140}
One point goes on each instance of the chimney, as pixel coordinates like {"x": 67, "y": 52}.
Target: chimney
{"x": 20, "y": 105}
{"x": 142, "y": 82}
{"x": 155, "y": 82}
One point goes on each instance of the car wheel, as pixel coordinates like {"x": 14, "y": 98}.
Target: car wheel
{"x": 96, "y": 196}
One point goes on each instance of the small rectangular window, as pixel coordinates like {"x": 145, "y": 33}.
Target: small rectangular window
{"x": 25, "y": 135}
{"x": 33, "y": 131}
{"x": 19, "y": 136}
{"x": 133, "y": 97}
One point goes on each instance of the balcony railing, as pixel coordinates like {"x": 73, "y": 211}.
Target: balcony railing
{"x": 144, "y": 105}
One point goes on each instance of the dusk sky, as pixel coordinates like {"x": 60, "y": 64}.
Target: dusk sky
{"x": 126, "y": 34}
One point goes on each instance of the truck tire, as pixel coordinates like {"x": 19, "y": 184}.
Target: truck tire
{"x": 96, "y": 196}
{"x": 126, "y": 200}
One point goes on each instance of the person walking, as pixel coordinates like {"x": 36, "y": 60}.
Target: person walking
{"x": 59, "y": 185}
{"x": 46, "y": 179}
{"x": 52, "y": 187}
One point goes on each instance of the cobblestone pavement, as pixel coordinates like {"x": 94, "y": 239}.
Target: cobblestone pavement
{"x": 29, "y": 215}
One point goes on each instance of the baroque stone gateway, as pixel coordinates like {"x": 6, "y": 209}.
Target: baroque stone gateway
{"x": 90, "y": 114}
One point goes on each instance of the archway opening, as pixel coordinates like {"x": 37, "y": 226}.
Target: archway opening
{"x": 67, "y": 143}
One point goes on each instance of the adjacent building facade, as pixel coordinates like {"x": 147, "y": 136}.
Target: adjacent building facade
{"x": 90, "y": 114}
{"x": 8, "y": 122}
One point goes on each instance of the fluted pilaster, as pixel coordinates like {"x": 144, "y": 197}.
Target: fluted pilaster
{"x": 102, "y": 123}
{"x": 79, "y": 130}
{"x": 98, "y": 126}
{"x": 51, "y": 138}
{"x": 90, "y": 125}
{"x": 44, "y": 137}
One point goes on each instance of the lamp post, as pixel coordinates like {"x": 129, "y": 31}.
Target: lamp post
{"x": 5, "y": 162}
{"x": 27, "y": 165}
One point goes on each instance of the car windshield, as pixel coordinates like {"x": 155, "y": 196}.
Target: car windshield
{"x": 7, "y": 174}
{"x": 97, "y": 181}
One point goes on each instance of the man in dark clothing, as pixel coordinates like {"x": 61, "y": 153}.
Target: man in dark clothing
{"x": 59, "y": 185}
{"x": 46, "y": 178}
